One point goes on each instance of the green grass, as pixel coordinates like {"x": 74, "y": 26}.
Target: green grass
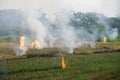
{"x": 79, "y": 67}
{"x": 5, "y": 39}
{"x": 9, "y": 38}
{"x": 101, "y": 66}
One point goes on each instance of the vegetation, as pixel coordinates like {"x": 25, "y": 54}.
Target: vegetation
{"x": 8, "y": 48}
{"x": 102, "y": 62}
{"x": 13, "y": 23}
{"x": 85, "y": 67}
{"x": 5, "y": 39}
{"x": 100, "y": 66}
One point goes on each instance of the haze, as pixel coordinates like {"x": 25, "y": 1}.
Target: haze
{"x": 107, "y": 7}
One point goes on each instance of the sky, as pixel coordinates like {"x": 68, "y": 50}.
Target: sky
{"x": 107, "y": 7}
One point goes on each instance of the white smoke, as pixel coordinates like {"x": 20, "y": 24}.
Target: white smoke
{"x": 49, "y": 20}
{"x": 36, "y": 26}
{"x": 113, "y": 34}
{"x": 67, "y": 32}
{"x": 64, "y": 34}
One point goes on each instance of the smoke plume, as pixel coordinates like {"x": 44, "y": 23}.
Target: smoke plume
{"x": 64, "y": 33}
{"x": 50, "y": 21}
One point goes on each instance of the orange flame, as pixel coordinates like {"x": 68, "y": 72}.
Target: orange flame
{"x": 63, "y": 65}
{"x": 35, "y": 44}
{"x": 22, "y": 42}
{"x": 105, "y": 39}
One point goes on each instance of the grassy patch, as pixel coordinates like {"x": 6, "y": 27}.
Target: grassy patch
{"x": 46, "y": 52}
{"x": 85, "y": 67}
{"x": 44, "y": 64}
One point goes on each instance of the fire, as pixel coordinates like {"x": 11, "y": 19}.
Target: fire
{"x": 105, "y": 39}
{"x": 22, "y": 42}
{"x": 35, "y": 44}
{"x": 63, "y": 64}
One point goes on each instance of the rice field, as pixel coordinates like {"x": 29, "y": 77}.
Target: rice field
{"x": 94, "y": 65}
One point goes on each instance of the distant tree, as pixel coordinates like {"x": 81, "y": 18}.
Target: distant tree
{"x": 114, "y": 22}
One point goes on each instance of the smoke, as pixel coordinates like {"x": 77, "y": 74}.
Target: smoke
{"x": 114, "y": 33}
{"x": 49, "y": 21}
{"x": 49, "y": 33}
{"x": 36, "y": 25}
{"x": 66, "y": 35}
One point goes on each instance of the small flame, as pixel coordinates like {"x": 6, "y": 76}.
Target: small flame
{"x": 22, "y": 42}
{"x": 105, "y": 39}
{"x": 63, "y": 64}
{"x": 35, "y": 44}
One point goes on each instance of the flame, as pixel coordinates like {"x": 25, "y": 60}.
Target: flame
{"x": 105, "y": 39}
{"x": 35, "y": 44}
{"x": 22, "y": 42}
{"x": 63, "y": 64}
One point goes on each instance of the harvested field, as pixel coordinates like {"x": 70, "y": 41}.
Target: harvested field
{"x": 84, "y": 64}
{"x": 7, "y": 50}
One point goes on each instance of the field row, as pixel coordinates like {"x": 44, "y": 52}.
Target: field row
{"x": 85, "y": 67}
